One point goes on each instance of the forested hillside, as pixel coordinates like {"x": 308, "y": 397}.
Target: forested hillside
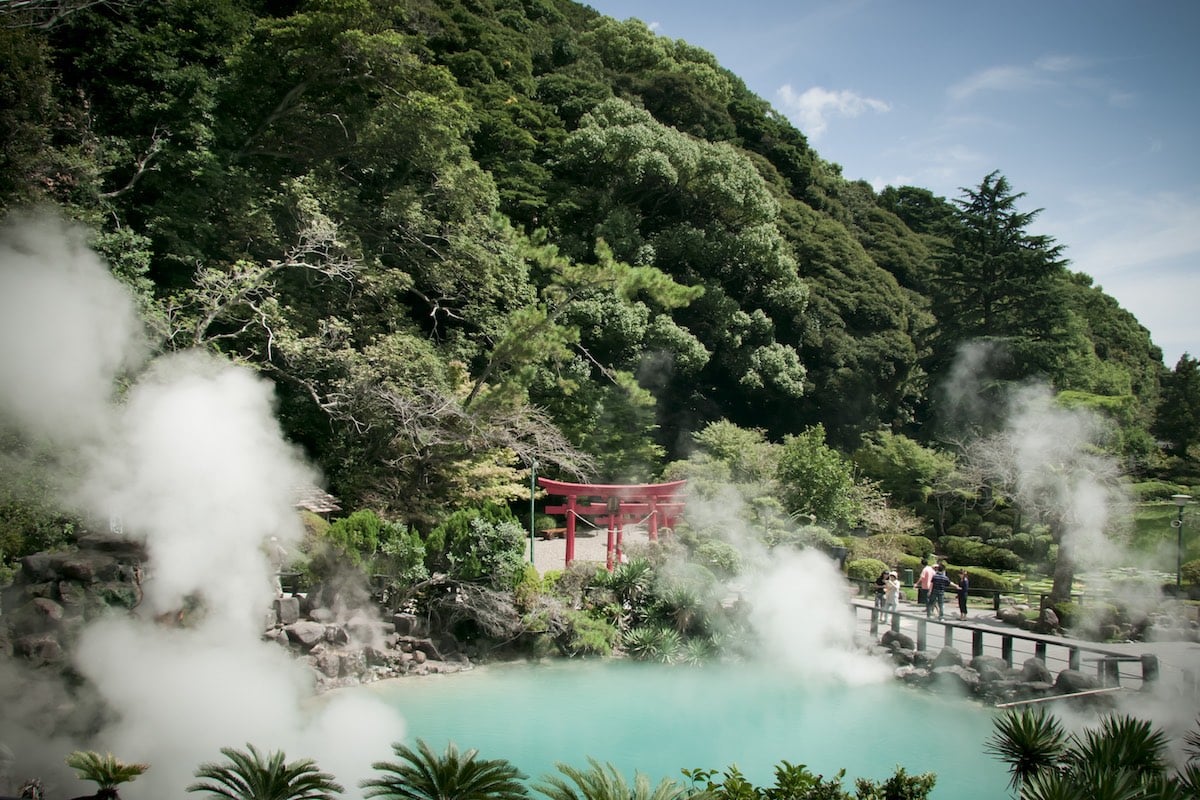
{"x": 464, "y": 235}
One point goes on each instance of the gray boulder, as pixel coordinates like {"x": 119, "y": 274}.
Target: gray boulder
{"x": 1034, "y": 670}
{"x": 948, "y": 657}
{"x": 956, "y": 678}
{"x": 1070, "y": 681}
{"x": 305, "y": 633}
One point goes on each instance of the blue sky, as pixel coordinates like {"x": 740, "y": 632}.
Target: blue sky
{"x": 1091, "y": 108}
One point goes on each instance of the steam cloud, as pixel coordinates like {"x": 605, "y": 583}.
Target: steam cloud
{"x": 798, "y": 600}
{"x": 192, "y": 462}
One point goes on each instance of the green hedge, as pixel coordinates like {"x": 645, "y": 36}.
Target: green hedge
{"x": 865, "y": 569}
{"x": 981, "y": 578}
{"x": 961, "y": 550}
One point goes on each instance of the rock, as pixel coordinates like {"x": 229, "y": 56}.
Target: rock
{"x": 892, "y": 638}
{"x": 287, "y": 610}
{"x": 955, "y": 678}
{"x": 354, "y": 663}
{"x": 72, "y": 596}
{"x": 913, "y": 676}
{"x": 1010, "y": 615}
{"x": 39, "y": 649}
{"x": 419, "y": 656}
{"x": 321, "y": 614}
{"x": 1034, "y": 670}
{"x": 991, "y": 669}
{"x": 1028, "y": 690}
{"x": 328, "y": 663}
{"x": 409, "y": 625}
{"x": 41, "y": 567}
{"x": 948, "y": 657}
{"x": 89, "y": 567}
{"x": 902, "y": 656}
{"x": 336, "y": 634}
{"x": 305, "y": 633}
{"x": 1072, "y": 680}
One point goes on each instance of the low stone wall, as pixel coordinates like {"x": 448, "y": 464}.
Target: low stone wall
{"x": 987, "y": 678}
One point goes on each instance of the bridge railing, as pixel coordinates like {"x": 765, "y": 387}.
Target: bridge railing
{"x": 1110, "y": 667}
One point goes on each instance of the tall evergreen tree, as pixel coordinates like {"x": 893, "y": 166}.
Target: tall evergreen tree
{"x": 1178, "y": 418}
{"x": 999, "y": 282}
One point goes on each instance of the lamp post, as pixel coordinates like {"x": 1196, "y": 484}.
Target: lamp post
{"x": 1180, "y": 500}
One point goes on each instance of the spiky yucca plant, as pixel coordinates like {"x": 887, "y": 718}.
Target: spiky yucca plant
{"x": 422, "y": 774}
{"x": 249, "y": 776}
{"x": 106, "y": 771}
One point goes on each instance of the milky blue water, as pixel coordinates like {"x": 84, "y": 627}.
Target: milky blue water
{"x": 657, "y": 720}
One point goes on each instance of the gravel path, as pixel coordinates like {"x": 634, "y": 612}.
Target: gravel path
{"x": 590, "y": 546}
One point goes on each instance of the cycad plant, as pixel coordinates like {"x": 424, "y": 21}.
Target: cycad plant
{"x": 604, "y": 782}
{"x": 247, "y": 775}
{"x": 1029, "y": 740}
{"x": 421, "y": 774}
{"x": 106, "y": 771}
{"x": 1121, "y": 759}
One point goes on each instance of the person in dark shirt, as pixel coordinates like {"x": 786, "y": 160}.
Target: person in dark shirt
{"x": 937, "y": 592}
{"x": 880, "y": 586}
{"x": 964, "y": 583}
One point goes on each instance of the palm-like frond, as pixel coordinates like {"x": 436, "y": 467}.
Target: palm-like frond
{"x": 248, "y": 776}
{"x": 424, "y": 775}
{"x": 106, "y": 771}
{"x": 1189, "y": 779}
{"x": 1121, "y": 742}
{"x": 604, "y": 782}
{"x": 1029, "y": 741}
{"x": 1191, "y": 743}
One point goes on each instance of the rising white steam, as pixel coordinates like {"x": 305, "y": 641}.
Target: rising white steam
{"x": 192, "y": 462}
{"x": 67, "y": 329}
{"x": 798, "y": 600}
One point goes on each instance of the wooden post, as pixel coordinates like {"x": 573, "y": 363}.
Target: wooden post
{"x": 976, "y": 643}
{"x": 1006, "y": 648}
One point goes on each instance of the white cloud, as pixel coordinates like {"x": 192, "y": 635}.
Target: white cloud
{"x": 996, "y": 79}
{"x": 813, "y": 109}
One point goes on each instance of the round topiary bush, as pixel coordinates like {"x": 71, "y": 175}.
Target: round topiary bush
{"x": 865, "y": 569}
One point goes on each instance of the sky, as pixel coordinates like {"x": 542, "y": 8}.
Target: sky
{"x": 1091, "y": 108}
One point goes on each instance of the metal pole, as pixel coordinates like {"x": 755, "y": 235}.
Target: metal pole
{"x": 1180, "y": 500}
{"x": 532, "y": 489}
{"x": 1179, "y": 552}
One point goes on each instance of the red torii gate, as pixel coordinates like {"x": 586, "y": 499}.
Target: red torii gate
{"x": 616, "y": 504}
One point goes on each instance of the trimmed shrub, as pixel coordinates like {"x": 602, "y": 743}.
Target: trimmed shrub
{"x": 356, "y": 535}
{"x": 1156, "y": 490}
{"x": 966, "y": 551}
{"x": 981, "y": 578}
{"x": 1190, "y": 572}
{"x": 1068, "y": 613}
{"x": 865, "y": 569}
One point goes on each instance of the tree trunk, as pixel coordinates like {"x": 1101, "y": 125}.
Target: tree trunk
{"x": 1064, "y": 575}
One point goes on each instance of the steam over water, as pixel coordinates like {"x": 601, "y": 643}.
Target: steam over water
{"x": 659, "y": 720}
{"x": 192, "y": 462}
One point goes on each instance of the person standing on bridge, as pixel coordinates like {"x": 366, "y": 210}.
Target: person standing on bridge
{"x": 891, "y": 595}
{"x": 937, "y": 592}
{"x": 964, "y": 583}
{"x": 924, "y": 581}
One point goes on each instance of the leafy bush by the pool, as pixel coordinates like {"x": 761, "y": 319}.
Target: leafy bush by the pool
{"x": 588, "y": 636}
{"x": 721, "y": 557}
{"x": 654, "y": 643}
{"x": 1190, "y": 572}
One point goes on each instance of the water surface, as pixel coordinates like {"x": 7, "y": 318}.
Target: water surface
{"x": 657, "y": 720}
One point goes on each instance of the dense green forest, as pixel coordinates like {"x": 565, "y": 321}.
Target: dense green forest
{"x": 465, "y": 236}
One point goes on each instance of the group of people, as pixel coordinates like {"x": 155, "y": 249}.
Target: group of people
{"x": 932, "y": 584}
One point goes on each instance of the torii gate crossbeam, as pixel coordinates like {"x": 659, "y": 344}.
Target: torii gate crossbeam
{"x": 655, "y": 502}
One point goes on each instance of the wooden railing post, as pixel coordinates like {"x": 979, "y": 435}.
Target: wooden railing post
{"x": 1006, "y": 648}
{"x": 976, "y": 643}
{"x": 921, "y": 625}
